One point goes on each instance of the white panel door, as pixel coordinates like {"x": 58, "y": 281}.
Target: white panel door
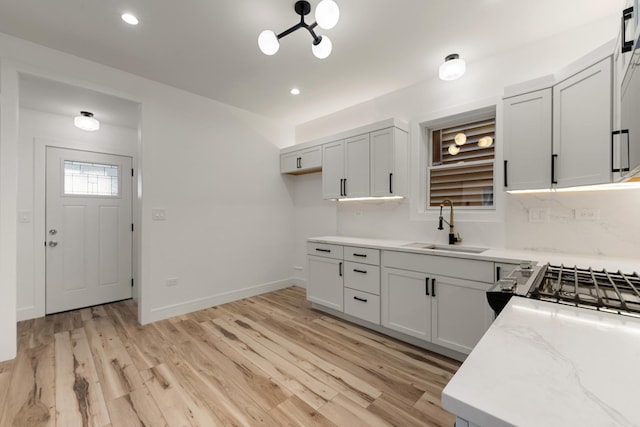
{"x": 325, "y": 285}
{"x": 460, "y": 313}
{"x": 527, "y": 141}
{"x": 333, "y": 170}
{"x": 406, "y": 302}
{"x": 382, "y": 163}
{"x": 88, "y": 229}
{"x": 582, "y": 120}
{"x": 357, "y": 166}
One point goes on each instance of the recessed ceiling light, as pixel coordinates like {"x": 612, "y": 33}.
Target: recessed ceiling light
{"x": 295, "y": 91}
{"x": 129, "y": 19}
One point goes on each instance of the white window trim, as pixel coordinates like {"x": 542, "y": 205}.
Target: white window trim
{"x": 420, "y": 157}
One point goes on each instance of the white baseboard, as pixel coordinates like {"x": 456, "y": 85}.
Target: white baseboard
{"x": 297, "y": 281}
{"x": 167, "y": 311}
{"x": 27, "y": 313}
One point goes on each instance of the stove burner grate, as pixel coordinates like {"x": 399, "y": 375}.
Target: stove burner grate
{"x": 598, "y": 289}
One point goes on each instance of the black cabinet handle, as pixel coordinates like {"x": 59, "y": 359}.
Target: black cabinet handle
{"x": 426, "y": 286}
{"x": 627, "y": 45}
{"x": 299, "y": 162}
{"x": 621, "y": 132}
{"x": 340, "y": 269}
{"x": 341, "y": 187}
{"x": 390, "y": 183}
{"x": 433, "y": 287}
{"x": 360, "y": 255}
{"x": 345, "y": 187}
{"x": 360, "y": 271}
{"x": 359, "y": 299}
{"x": 497, "y": 273}
{"x": 506, "y": 183}
{"x": 323, "y": 250}
{"x": 553, "y": 168}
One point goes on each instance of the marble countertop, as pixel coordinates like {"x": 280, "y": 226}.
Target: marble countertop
{"x": 626, "y": 265}
{"x": 547, "y": 364}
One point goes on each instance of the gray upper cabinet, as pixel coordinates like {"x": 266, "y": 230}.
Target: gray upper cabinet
{"x": 527, "y": 134}
{"x": 346, "y": 168}
{"x": 561, "y": 136}
{"x": 582, "y": 125}
{"x": 630, "y": 112}
{"x": 301, "y": 161}
{"x": 388, "y": 155}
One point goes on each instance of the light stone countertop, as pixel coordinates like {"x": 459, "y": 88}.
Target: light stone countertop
{"x": 547, "y": 364}
{"x": 626, "y": 265}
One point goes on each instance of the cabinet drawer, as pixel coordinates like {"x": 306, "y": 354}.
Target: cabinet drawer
{"x": 471, "y": 269}
{"x": 363, "y": 277}
{"x": 362, "y": 305}
{"x": 362, "y": 255}
{"x": 325, "y": 250}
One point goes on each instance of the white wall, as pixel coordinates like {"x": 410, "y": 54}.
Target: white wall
{"x": 8, "y": 205}
{"x": 37, "y": 128}
{"x": 214, "y": 168}
{"x": 615, "y": 234}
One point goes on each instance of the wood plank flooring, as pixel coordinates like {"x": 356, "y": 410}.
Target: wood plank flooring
{"x": 269, "y": 360}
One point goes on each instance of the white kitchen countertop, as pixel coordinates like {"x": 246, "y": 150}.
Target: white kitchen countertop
{"x": 626, "y": 265}
{"x": 547, "y": 364}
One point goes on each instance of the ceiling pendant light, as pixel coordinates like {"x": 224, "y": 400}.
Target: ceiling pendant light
{"x": 327, "y": 16}
{"x": 454, "y": 149}
{"x": 85, "y": 121}
{"x": 485, "y": 141}
{"x": 452, "y": 68}
{"x": 460, "y": 138}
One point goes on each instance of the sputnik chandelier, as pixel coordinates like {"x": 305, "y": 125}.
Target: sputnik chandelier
{"x": 327, "y": 15}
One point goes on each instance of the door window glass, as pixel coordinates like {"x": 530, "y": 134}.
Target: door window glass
{"x": 90, "y": 179}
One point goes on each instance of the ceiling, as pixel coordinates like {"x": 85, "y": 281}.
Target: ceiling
{"x": 210, "y": 47}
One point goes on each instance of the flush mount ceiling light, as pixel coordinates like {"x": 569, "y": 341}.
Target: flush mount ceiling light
{"x": 452, "y": 68}
{"x": 85, "y": 121}
{"x": 295, "y": 91}
{"x": 327, "y": 16}
{"x": 129, "y": 18}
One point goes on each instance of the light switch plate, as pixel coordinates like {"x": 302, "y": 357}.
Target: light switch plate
{"x": 24, "y": 217}
{"x": 158, "y": 214}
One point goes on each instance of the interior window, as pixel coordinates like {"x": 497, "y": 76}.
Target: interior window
{"x": 90, "y": 179}
{"x": 461, "y": 165}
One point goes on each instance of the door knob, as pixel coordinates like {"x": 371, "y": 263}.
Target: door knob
{"x": 53, "y": 244}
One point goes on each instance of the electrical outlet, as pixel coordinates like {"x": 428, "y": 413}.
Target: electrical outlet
{"x": 587, "y": 214}
{"x": 172, "y": 281}
{"x": 539, "y": 214}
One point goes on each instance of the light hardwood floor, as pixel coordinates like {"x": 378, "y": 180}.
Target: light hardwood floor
{"x": 268, "y": 360}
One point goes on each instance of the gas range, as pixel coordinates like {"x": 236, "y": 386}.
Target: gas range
{"x": 613, "y": 292}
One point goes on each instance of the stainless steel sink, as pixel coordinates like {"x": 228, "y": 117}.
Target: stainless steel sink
{"x": 448, "y": 248}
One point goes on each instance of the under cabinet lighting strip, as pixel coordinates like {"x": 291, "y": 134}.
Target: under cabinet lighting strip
{"x": 360, "y": 199}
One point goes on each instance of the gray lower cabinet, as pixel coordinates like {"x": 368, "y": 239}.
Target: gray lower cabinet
{"x": 448, "y": 311}
{"x": 325, "y": 275}
{"x": 414, "y": 294}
